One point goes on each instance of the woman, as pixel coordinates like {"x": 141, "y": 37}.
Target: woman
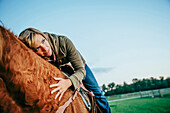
{"x": 59, "y": 50}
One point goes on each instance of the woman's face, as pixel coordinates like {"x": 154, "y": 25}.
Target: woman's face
{"x": 42, "y": 47}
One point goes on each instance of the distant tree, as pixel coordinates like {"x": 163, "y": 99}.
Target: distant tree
{"x": 104, "y": 88}
{"x": 126, "y": 87}
{"x": 145, "y": 84}
{"x": 161, "y": 78}
{"x": 119, "y": 89}
{"x": 134, "y": 80}
{"x": 111, "y": 85}
{"x": 137, "y": 85}
{"x": 163, "y": 82}
{"x": 168, "y": 81}
{"x": 153, "y": 83}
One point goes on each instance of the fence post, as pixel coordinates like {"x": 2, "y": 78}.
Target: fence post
{"x": 160, "y": 94}
{"x": 140, "y": 94}
{"x": 153, "y": 94}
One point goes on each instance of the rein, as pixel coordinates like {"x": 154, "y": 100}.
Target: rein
{"x": 62, "y": 108}
{"x": 67, "y": 69}
{"x": 94, "y": 109}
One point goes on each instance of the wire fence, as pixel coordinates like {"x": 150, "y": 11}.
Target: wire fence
{"x": 141, "y": 94}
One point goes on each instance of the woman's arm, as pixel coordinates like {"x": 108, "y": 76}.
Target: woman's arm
{"x": 76, "y": 61}
{"x": 73, "y": 56}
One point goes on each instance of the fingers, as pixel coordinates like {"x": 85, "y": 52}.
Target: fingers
{"x": 57, "y": 95}
{"x": 54, "y": 85}
{"x": 57, "y": 78}
{"x": 60, "y": 88}
{"x": 61, "y": 96}
{"x": 54, "y": 90}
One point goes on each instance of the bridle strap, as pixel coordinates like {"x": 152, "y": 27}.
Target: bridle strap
{"x": 62, "y": 108}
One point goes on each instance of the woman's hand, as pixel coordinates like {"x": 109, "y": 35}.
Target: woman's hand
{"x": 61, "y": 86}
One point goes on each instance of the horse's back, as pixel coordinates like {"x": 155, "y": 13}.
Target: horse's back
{"x": 26, "y": 78}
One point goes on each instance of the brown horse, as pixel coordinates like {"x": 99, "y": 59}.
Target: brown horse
{"x": 25, "y": 78}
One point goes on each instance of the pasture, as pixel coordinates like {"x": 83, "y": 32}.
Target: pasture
{"x": 141, "y": 105}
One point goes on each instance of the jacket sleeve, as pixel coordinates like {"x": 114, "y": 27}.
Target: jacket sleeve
{"x": 75, "y": 59}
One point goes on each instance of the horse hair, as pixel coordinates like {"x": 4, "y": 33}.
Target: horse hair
{"x": 25, "y": 78}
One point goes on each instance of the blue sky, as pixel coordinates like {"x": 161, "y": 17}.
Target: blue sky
{"x": 120, "y": 39}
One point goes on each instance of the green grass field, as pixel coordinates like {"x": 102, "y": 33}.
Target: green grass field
{"x": 142, "y": 105}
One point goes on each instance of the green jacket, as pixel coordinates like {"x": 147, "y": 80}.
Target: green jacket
{"x": 66, "y": 52}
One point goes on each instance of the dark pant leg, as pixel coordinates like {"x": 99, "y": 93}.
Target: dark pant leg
{"x": 91, "y": 84}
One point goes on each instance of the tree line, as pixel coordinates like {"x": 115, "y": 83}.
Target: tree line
{"x": 136, "y": 85}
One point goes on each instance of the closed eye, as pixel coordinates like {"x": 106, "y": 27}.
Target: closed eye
{"x": 37, "y": 49}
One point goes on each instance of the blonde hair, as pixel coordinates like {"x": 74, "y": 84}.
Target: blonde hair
{"x": 28, "y": 37}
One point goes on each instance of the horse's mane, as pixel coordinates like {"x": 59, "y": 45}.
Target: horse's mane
{"x": 26, "y": 78}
